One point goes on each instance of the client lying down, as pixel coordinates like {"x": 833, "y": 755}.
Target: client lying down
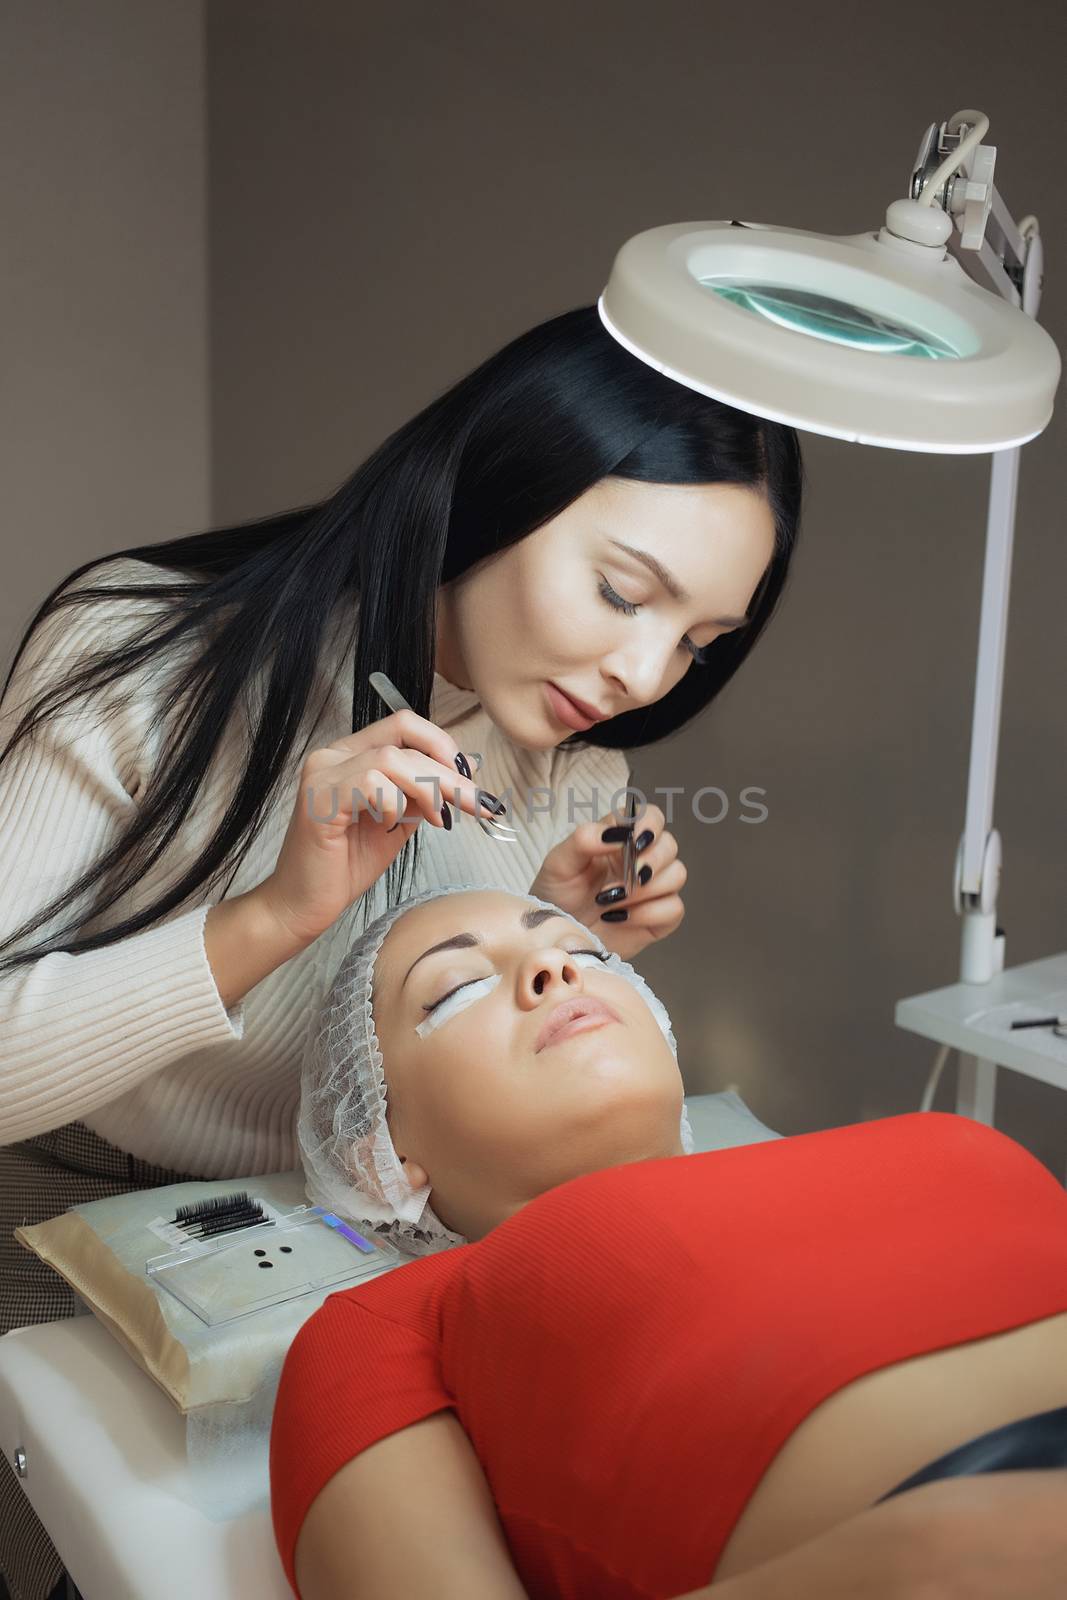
{"x": 617, "y": 1369}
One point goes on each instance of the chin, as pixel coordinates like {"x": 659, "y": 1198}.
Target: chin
{"x": 525, "y": 726}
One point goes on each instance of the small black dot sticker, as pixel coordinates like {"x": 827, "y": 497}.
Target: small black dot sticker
{"x": 259, "y": 1252}
{"x": 286, "y": 1249}
{"x": 266, "y": 1263}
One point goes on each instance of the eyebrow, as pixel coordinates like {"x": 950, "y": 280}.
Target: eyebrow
{"x": 531, "y": 918}
{"x": 671, "y": 584}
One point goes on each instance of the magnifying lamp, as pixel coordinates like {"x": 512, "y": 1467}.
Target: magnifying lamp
{"x": 881, "y": 338}
{"x": 921, "y": 335}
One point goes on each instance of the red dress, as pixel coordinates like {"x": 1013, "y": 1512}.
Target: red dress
{"x": 629, "y": 1351}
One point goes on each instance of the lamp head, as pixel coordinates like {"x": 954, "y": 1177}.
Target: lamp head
{"x": 880, "y": 338}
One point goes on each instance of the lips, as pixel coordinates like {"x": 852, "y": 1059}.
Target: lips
{"x": 584, "y": 709}
{"x": 569, "y": 1011}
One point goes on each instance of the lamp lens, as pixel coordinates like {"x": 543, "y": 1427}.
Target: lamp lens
{"x": 803, "y": 311}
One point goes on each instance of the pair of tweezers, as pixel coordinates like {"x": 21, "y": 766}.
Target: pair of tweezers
{"x": 387, "y": 691}
{"x": 629, "y": 853}
{"x": 1057, "y": 1024}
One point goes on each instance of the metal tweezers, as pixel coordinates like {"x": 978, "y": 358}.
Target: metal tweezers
{"x": 629, "y": 853}
{"x": 387, "y": 690}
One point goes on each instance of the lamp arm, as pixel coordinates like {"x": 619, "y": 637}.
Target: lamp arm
{"x": 985, "y": 235}
{"x": 978, "y": 125}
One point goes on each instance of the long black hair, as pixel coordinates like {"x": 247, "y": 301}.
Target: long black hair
{"x": 485, "y": 464}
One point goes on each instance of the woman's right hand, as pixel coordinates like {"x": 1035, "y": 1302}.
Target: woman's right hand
{"x": 335, "y": 847}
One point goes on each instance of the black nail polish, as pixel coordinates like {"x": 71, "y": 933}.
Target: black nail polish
{"x": 462, "y": 766}
{"x": 644, "y": 840}
{"x": 607, "y": 896}
{"x": 497, "y": 807}
{"x": 617, "y": 835}
{"x": 644, "y": 875}
{"x": 614, "y": 916}
{"x": 446, "y": 815}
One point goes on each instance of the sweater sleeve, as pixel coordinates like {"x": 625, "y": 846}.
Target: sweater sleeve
{"x": 77, "y": 1031}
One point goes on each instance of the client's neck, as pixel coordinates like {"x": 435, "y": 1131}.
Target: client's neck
{"x": 480, "y": 1215}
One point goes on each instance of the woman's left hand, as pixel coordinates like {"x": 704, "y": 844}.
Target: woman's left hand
{"x": 584, "y": 866}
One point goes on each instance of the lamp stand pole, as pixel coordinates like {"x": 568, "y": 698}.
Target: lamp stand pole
{"x": 1012, "y": 261}
{"x": 978, "y": 860}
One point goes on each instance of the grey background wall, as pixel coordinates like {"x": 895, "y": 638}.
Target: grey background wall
{"x": 104, "y": 404}
{"x": 391, "y": 193}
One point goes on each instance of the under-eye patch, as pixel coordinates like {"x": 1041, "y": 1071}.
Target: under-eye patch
{"x": 456, "y": 1002}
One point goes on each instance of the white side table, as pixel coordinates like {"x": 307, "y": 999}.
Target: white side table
{"x": 975, "y": 1019}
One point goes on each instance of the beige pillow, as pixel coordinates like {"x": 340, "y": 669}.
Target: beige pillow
{"x": 100, "y": 1248}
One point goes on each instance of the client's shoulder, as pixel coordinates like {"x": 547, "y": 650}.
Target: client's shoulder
{"x": 405, "y": 1296}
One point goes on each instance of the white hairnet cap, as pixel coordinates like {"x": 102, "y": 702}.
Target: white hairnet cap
{"x": 350, "y": 1165}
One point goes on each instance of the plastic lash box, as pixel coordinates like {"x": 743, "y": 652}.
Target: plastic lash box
{"x": 236, "y": 1274}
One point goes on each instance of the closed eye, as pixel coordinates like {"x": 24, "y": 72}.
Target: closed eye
{"x": 597, "y": 955}
{"x": 617, "y": 603}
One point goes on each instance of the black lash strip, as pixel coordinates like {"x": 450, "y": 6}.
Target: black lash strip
{"x": 223, "y": 1213}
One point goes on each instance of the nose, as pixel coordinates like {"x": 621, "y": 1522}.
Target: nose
{"x": 639, "y": 671}
{"x": 545, "y": 971}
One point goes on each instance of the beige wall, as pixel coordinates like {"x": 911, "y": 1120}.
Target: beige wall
{"x": 103, "y": 272}
{"x": 396, "y": 190}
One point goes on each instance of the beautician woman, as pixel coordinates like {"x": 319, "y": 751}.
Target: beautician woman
{"x": 565, "y": 556}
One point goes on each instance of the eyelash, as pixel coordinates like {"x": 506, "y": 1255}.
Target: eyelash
{"x": 596, "y": 953}
{"x": 617, "y": 603}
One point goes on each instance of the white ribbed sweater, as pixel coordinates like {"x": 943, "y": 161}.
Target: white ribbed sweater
{"x": 133, "y": 1039}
